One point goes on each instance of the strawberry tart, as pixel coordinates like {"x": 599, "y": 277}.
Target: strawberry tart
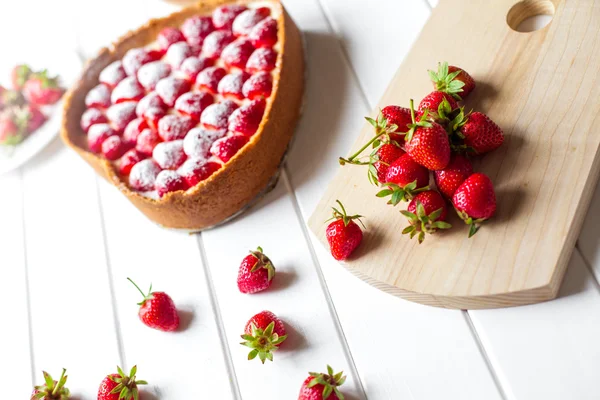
{"x": 190, "y": 116}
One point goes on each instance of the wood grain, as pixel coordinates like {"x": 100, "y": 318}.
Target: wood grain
{"x": 540, "y": 87}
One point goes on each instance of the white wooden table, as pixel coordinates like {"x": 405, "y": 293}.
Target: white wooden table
{"x": 68, "y": 240}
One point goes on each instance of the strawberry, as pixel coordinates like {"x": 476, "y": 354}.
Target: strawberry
{"x": 262, "y": 59}
{"x": 399, "y": 116}
{"x": 256, "y": 272}
{"x": 452, "y": 80}
{"x": 193, "y": 103}
{"x": 224, "y": 16}
{"x": 479, "y": 133}
{"x": 147, "y": 141}
{"x": 237, "y": 53}
{"x": 169, "y": 155}
{"x": 19, "y": 75}
{"x": 42, "y": 89}
{"x": 11, "y": 98}
{"x": 170, "y": 88}
{"x": 169, "y": 36}
{"x": 97, "y": 134}
{"x": 404, "y": 179}
{"x": 91, "y": 117}
{"x": 112, "y": 74}
{"x": 433, "y": 100}
{"x": 195, "y": 171}
{"x": 264, "y": 34}
{"x": 426, "y": 213}
{"x": 135, "y": 58}
{"x": 34, "y": 117}
{"x": 128, "y": 89}
{"x": 113, "y": 147}
{"x": 343, "y": 234}
{"x": 209, "y": 78}
{"x": 98, "y": 97}
{"x": 215, "y": 42}
{"x": 128, "y": 160}
{"x": 247, "y": 118}
{"x": 427, "y": 142}
{"x": 169, "y": 181}
{"x": 12, "y": 128}
{"x": 120, "y": 386}
{"x": 243, "y": 23}
{"x": 133, "y": 130}
{"x": 322, "y": 386}
{"x": 196, "y": 28}
{"x": 172, "y": 127}
{"x": 143, "y": 177}
{"x": 157, "y": 310}
{"x": 263, "y": 333}
{"x": 192, "y": 66}
{"x": 52, "y": 390}
{"x": 386, "y": 155}
{"x": 231, "y": 85}
{"x": 149, "y": 74}
{"x": 475, "y": 201}
{"x": 258, "y": 85}
{"x": 450, "y": 178}
{"x": 227, "y": 147}
{"x": 216, "y": 115}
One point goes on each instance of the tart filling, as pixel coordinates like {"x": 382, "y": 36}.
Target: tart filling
{"x": 170, "y": 114}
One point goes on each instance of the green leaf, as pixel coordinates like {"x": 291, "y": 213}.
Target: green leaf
{"x": 442, "y": 225}
{"x": 408, "y": 230}
{"x": 421, "y": 210}
{"x": 384, "y": 193}
{"x": 473, "y": 230}
{"x": 269, "y": 331}
{"x": 327, "y": 390}
{"x": 252, "y": 355}
{"x": 371, "y": 121}
{"x": 408, "y": 215}
{"x": 436, "y": 214}
{"x": 396, "y": 197}
{"x": 433, "y": 76}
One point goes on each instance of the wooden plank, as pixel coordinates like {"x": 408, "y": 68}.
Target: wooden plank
{"x": 295, "y": 296}
{"x": 496, "y": 268}
{"x": 171, "y": 261}
{"x": 588, "y": 242}
{"x": 548, "y": 350}
{"x": 376, "y": 41}
{"x": 14, "y": 346}
{"x": 413, "y": 361}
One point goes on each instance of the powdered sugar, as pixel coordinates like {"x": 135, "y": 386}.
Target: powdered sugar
{"x": 149, "y": 74}
{"x": 121, "y": 114}
{"x": 215, "y": 43}
{"x": 169, "y": 181}
{"x": 243, "y": 23}
{"x": 134, "y": 59}
{"x": 215, "y": 116}
{"x": 231, "y": 85}
{"x": 97, "y": 134}
{"x": 90, "y": 117}
{"x": 193, "y": 103}
{"x": 170, "y": 88}
{"x": 210, "y": 77}
{"x": 192, "y": 66}
{"x": 197, "y": 142}
{"x": 262, "y": 59}
{"x": 223, "y": 16}
{"x": 172, "y": 127}
{"x": 151, "y": 100}
{"x": 236, "y": 53}
{"x": 143, "y": 175}
{"x": 196, "y": 28}
{"x": 113, "y": 74}
{"x": 169, "y": 155}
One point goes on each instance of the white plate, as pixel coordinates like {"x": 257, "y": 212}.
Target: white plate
{"x": 62, "y": 62}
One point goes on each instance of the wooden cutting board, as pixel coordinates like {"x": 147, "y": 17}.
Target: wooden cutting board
{"x": 543, "y": 89}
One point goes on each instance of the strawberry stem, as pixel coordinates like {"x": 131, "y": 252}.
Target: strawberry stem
{"x": 350, "y": 159}
{"x": 146, "y": 296}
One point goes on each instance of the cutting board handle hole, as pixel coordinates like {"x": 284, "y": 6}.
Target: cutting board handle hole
{"x": 530, "y": 15}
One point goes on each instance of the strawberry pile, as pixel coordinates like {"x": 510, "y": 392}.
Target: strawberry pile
{"x": 21, "y": 106}
{"x": 437, "y": 140}
{"x": 171, "y": 114}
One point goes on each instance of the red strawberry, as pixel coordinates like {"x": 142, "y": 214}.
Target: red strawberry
{"x": 172, "y": 127}
{"x": 404, "y": 178}
{"x": 450, "y": 178}
{"x": 34, "y": 117}
{"x": 343, "y": 234}
{"x": 264, "y": 34}
{"x": 97, "y": 134}
{"x": 19, "y": 75}
{"x": 127, "y": 90}
{"x": 475, "y": 201}
{"x": 322, "y": 386}
{"x": 192, "y": 66}
{"x": 452, "y": 80}
{"x": 150, "y": 74}
{"x": 243, "y": 23}
{"x": 237, "y": 53}
{"x": 112, "y": 74}
{"x": 480, "y": 134}
{"x": 427, "y": 143}
{"x": 197, "y": 141}
{"x": 258, "y": 85}
{"x": 256, "y": 272}
{"x": 179, "y": 52}
{"x": 170, "y": 88}
{"x": 113, "y": 147}
{"x": 426, "y": 213}
{"x": 262, "y": 59}
{"x": 169, "y": 155}
{"x": 147, "y": 141}
{"x": 10, "y": 133}
{"x": 247, "y": 118}
{"x": 399, "y": 116}
{"x": 151, "y": 100}
{"x": 42, "y": 89}
{"x": 128, "y": 160}
{"x": 90, "y": 117}
{"x": 99, "y": 97}
{"x": 216, "y": 115}
{"x": 263, "y": 333}
{"x": 193, "y": 103}
{"x": 51, "y": 389}
{"x": 224, "y": 16}
{"x": 231, "y": 85}
{"x": 120, "y": 386}
{"x": 195, "y": 29}
{"x": 121, "y": 114}
{"x": 433, "y": 100}
{"x": 168, "y": 36}
{"x": 133, "y": 130}
{"x": 135, "y": 58}
{"x": 227, "y": 147}
{"x": 195, "y": 171}
{"x": 209, "y": 78}
{"x": 386, "y": 155}
{"x": 157, "y": 310}
{"x": 169, "y": 181}
{"x": 215, "y": 42}
{"x": 143, "y": 177}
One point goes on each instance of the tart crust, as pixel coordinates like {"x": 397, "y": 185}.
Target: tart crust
{"x": 241, "y": 179}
